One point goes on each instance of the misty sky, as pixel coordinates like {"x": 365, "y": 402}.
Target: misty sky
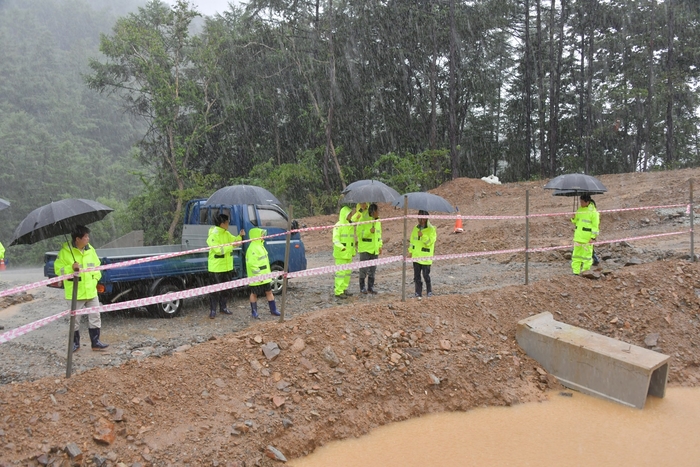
{"x": 209, "y": 7}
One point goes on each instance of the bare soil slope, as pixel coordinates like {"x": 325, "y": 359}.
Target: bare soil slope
{"x": 346, "y": 369}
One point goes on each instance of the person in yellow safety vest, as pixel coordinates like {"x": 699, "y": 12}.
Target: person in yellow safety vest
{"x": 343, "y": 250}
{"x": 422, "y": 245}
{"x": 220, "y": 263}
{"x": 369, "y": 244}
{"x": 257, "y": 263}
{"x": 596, "y": 224}
{"x": 587, "y": 221}
{"x": 2, "y": 251}
{"x": 72, "y": 258}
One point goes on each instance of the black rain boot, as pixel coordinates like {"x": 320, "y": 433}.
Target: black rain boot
{"x": 222, "y": 305}
{"x": 76, "y": 341}
{"x": 273, "y": 307}
{"x": 370, "y": 285}
{"x": 362, "y": 286}
{"x": 95, "y": 339}
{"x": 254, "y": 310}
{"x": 212, "y": 306}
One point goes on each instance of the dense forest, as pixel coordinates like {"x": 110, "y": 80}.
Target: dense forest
{"x": 303, "y": 97}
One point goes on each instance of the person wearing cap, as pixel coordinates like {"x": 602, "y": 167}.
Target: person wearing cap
{"x": 257, "y": 263}
{"x": 369, "y": 244}
{"x": 343, "y": 250}
{"x": 422, "y": 245}
{"x": 220, "y": 263}
{"x": 587, "y": 220}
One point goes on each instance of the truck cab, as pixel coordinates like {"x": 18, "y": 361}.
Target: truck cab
{"x": 199, "y": 218}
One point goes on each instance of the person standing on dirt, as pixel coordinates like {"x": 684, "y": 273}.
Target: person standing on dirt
{"x": 72, "y": 258}
{"x": 586, "y": 221}
{"x": 220, "y": 263}
{"x": 257, "y": 264}
{"x": 369, "y": 244}
{"x": 596, "y": 230}
{"x": 343, "y": 250}
{"x": 422, "y": 245}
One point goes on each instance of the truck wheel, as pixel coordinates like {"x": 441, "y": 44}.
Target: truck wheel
{"x": 166, "y": 309}
{"x": 278, "y": 281}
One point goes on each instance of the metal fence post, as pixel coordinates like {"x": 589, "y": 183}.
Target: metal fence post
{"x": 527, "y": 235}
{"x": 283, "y": 303}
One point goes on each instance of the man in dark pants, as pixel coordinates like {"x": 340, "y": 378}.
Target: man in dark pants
{"x": 369, "y": 244}
{"x": 220, "y": 262}
{"x": 422, "y": 245}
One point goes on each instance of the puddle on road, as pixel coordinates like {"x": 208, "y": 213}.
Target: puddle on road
{"x": 564, "y": 431}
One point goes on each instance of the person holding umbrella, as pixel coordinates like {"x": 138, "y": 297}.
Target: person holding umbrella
{"x": 343, "y": 250}
{"x": 369, "y": 244}
{"x": 72, "y": 258}
{"x": 220, "y": 261}
{"x": 422, "y": 245}
{"x": 586, "y": 220}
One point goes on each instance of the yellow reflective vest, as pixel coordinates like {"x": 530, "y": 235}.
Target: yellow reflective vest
{"x": 344, "y": 236}
{"x": 368, "y": 242}
{"x": 2, "y": 251}
{"x": 257, "y": 262}
{"x": 221, "y": 258}
{"x": 425, "y": 245}
{"x": 87, "y": 282}
{"x": 586, "y": 220}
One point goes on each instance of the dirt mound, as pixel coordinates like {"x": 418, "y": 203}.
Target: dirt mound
{"x": 341, "y": 371}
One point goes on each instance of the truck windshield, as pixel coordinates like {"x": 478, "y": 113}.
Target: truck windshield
{"x": 270, "y": 216}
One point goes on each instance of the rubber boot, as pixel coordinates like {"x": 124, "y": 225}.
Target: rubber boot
{"x": 370, "y": 285}
{"x": 95, "y": 339}
{"x": 273, "y": 307}
{"x": 222, "y": 304}
{"x": 362, "y": 286}
{"x": 254, "y": 310}
{"x": 76, "y": 341}
{"x": 212, "y": 306}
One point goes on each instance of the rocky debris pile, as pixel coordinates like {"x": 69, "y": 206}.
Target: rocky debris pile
{"x": 280, "y": 390}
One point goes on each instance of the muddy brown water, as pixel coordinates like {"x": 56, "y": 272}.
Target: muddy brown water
{"x": 567, "y": 430}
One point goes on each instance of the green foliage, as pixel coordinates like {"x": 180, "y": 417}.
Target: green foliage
{"x": 412, "y": 172}
{"x": 299, "y": 184}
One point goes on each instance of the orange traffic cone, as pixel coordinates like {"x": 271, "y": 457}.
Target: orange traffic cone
{"x": 458, "y": 224}
{"x": 2, "y": 264}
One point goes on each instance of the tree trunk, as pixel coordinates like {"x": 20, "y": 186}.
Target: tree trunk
{"x": 650, "y": 90}
{"x": 589, "y": 85}
{"x": 454, "y": 157}
{"x": 528, "y": 92}
{"x": 670, "y": 66}
{"x": 541, "y": 91}
{"x": 432, "y": 142}
{"x": 330, "y": 149}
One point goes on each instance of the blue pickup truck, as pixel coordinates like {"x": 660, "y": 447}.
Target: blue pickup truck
{"x": 163, "y": 276}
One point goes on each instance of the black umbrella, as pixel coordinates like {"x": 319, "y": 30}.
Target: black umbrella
{"x": 575, "y": 184}
{"x": 358, "y": 183}
{"x": 58, "y": 218}
{"x": 4, "y": 204}
{"x": 369, "y": 191}
{"x": 425, "y": 202}
{"x": 241, "y": 194}
{"x": 559, "y": 192}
